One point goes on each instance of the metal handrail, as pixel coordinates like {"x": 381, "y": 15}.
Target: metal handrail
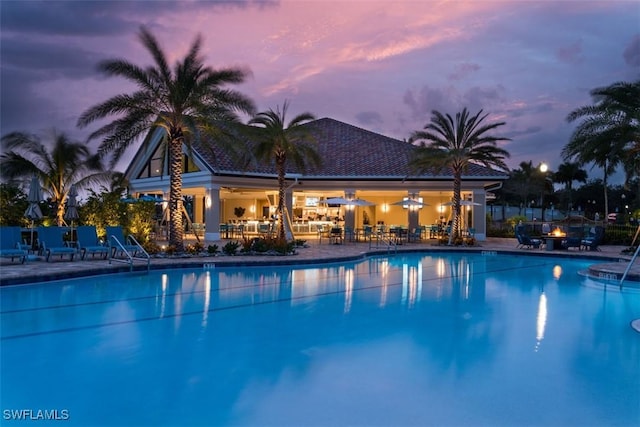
{"x": 380, "y": 236}
{"x": 626, "y": 271}
{"x": 130, "y": 258}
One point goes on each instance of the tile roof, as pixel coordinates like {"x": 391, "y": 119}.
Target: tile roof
{"x": 347, "y": 151}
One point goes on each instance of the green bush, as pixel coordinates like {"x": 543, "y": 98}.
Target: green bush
{"x": 213, "y": 249}
{"x": 230, "y": 248}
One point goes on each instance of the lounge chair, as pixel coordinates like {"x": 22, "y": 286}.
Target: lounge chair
{"x": 10, "y": 246}
{"x": 594, "y": 238}
{"x": 88, "y": 242}
{"x": 118, "y": 243}
{"x": 51, "y": 243}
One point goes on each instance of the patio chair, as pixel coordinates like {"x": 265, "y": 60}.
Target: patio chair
{"x": 349, "y": 233}
{"x": 118, "y": 242}
{"x": 335, "y": 236}
{"x": 415, "y": 235}
{"x": 594, "y": 238}
{"x": 10, "y": 246}
{"x": 88, "y": 242}
{"x": 323, "y": 231}
{"x": 367, "y": 232}
{"x": 524, "y": 241}
{"x": 574, "y": 238}
{"x": 52, "y": 243}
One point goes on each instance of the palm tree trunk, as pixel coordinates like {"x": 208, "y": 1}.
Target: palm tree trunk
{"x": 176, "y": 231}
{"x": 281, "y": 195}
{"x": 457, "y": 185}
{"x": 606, "y": 196}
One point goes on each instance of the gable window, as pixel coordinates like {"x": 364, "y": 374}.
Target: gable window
{"x": 157, "y": 164}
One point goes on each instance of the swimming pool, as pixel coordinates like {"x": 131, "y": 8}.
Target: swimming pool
{"x": 408, "y": 339}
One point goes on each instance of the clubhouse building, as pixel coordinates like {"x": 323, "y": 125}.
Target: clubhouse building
{"x": 356, "y": 164}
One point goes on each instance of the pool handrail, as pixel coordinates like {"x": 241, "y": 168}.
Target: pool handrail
{"x": 626, "y": 271}
{"x": 123, "y": 248}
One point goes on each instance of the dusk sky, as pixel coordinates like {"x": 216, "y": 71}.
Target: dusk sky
{"x": 380, "y": 65}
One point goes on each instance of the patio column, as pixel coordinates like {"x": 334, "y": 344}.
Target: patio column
{"x": 212, "y": 213}
{"x": 479, "y": 214}
{"x": 350, "y": 210}
{"x": 413, "y": 213}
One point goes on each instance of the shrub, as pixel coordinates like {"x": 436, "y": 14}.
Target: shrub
{"x": 152, "y": 248}
{"x": 230, "y": 248}
{"x": 213, "y": 249}
{"x": 194, "y": 248}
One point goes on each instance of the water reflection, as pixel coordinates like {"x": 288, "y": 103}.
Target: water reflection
{"x": 366, "y": 342}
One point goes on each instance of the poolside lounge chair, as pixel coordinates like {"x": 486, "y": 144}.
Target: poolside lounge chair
{"x": 51, "y": 243}
{"x": 10, "y": 246}
{"x": 118, "y": 243}
{"x": 594, "y": 238}
{"x": 88, "y": 242}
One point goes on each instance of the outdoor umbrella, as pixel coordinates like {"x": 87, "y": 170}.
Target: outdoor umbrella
{"x": 71, "y": 213}
{"x": 410, "y": 203}
{"x": 33, "y": 212}
{"x": 350, "y": 202}
{"x": 360, "y": 202}
{"x": 337, "y": 201}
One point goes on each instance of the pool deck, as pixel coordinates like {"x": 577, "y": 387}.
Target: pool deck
{"x": 608, "y": 264}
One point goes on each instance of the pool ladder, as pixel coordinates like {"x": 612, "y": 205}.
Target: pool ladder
{"x": 626, "y": 271}
{"x": 633, "y": 258}
{"x": 387, "y": 240}
{"x": 129, "y": 258}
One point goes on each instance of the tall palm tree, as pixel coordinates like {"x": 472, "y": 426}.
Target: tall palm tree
{"x": 609, "y": 133}
{"x": 446, "y": 143}
{"x": 66, "y": 163}
{"x": 567, "y": 173}
{"x": 186, "y": 102}
{"x": 278, "y": 142}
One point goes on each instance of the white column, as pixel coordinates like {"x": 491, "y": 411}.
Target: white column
{"x": 479, "y": 214}
{"x": 413, "y": 212}
{"x": 212, "y": 213}
{"x": 350, "y": 210}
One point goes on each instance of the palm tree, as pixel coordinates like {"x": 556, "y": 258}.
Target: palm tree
{"x": 567, "y": 173}
{"x": 609, "y": 133}
{"x": 278, "y": 143}
{"x": 186, "y": 102}
{"x": 455, "y": 144}
{"x": 67, "y": 163}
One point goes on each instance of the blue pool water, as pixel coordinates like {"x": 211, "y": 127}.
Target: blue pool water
{"x": 416, "y": 339}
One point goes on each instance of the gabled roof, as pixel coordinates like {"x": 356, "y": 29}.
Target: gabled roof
{"x": 347, "y": 152}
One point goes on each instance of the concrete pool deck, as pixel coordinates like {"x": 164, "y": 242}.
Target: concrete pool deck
{"x": 608, "y": 263}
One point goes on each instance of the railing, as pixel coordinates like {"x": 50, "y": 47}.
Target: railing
{"x": 119, "y": 246}
{"x": 626, "y": 271}
{"x": 387, "y": 239}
